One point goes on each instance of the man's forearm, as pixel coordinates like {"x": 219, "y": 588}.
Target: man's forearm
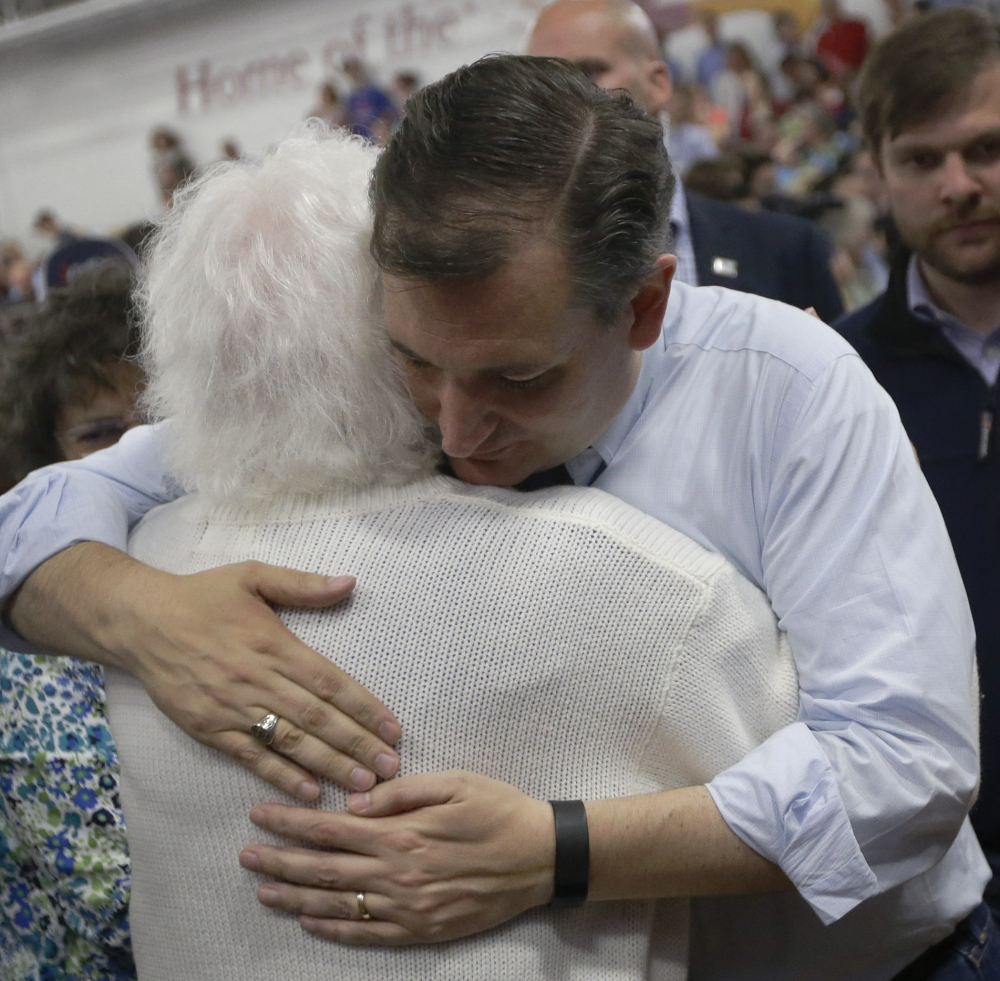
{"x": 673, "y": 843}
{"x": 489, "y": 849}
{"x": 210, "y": 651}
{"x": 65, "y": 605}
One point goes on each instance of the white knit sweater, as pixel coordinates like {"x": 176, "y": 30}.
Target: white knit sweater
{"x": 561, "y": 641}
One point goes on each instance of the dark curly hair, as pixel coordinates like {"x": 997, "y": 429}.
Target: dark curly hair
{"x": 512, "y": 147}
{"x": 63, "y": 351}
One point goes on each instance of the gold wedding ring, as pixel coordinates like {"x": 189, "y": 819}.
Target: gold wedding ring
{"x": 362, "y": 908}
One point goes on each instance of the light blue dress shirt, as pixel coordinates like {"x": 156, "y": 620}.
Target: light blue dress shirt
{"x": 759, "y": 432}
{"x": 682, "y": 246}
{"x": 981, "y": 351}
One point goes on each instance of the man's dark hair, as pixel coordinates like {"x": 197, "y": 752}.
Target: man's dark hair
{"x": 513, "y": 148}
{"x": 63, "y": 351}
{"x": 910, "y": 74}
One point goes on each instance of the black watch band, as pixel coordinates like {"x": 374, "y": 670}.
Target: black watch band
{"x": 572, "y": 872}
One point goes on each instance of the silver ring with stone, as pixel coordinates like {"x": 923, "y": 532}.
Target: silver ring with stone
{"x": 263, "y": 731}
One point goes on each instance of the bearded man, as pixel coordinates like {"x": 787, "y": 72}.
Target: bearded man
{"x": 933, "y": 338}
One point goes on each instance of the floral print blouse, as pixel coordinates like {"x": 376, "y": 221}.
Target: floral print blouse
{"x": 64, "y": 872}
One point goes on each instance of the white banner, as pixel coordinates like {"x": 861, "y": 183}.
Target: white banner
{"x": 76, "y": 106}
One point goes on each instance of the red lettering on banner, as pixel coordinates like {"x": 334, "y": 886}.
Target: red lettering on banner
{"x": 207, "y": 87}
{"x": 412, "y": 29}
{"x": 409, "y": 32}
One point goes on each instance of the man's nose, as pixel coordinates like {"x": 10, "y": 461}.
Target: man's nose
{"x": 465, "y": 422}
{"x": 957, "y": 184}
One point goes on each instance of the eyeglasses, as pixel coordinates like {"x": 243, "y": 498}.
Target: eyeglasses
{"x": 89, "y": 437}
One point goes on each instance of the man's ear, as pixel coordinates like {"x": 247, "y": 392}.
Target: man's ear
{"x": 649, "y": 304}
{"x": 660, "y": 86}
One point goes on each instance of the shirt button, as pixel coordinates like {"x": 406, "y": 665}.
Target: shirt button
{"x": 992, "y": 351}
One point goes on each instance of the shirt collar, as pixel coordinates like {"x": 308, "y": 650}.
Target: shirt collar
{"x": 921, "y": 305}
{"x": 918, "y": 299}
{"x": 678, "y": 211}
{"x": 585, "y": 466}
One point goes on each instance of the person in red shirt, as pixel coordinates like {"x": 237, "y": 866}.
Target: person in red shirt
{"x": 844, "y": 43}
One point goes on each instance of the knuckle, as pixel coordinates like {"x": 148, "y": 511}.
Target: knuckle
{"x": 426, "y": 906}
{"x": 314, "y": 717}
{"x": 434, "y": 932}
{"x": 343, "y": 908}
{"x": 327, "y": 876}
{"x": 290, "y": 739}
{"x": 264, "y": 645}
{"x": 356, "y": 745}
{"x": 412, "y": 880}
{"x": 403, "y": 840}
{"x": 326, "y": 835}
{"x": 327, "y": 686}
{"x": 248, "y": 753}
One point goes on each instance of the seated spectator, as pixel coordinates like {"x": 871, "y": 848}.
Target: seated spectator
{"x": 65, "y": 263}
{"x": 788, "y": 47}
{"x": 172, "y": 167}
{"x": 371, "y": 110}
{"x": 728, "y": 90}
{"x": 330, "y": 108}
{"x": 404, "y": 84}
{"x": 844, "y": 41}
{"x": 66, "y": 390}
{"x": 20, "y": 282}
{"x": 857, "y": 264}
{"x": 811, "y": 149}
{"x": 46, "y": 224}
{"x": 136, "y": 237}
{"x": 688, "y": 141}
{"x": 304, "y": 450}
{"x": 712, "y": 60}
{"x": 721, "y": 179}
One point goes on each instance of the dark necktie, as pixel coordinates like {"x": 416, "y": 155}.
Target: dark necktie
{"x": 546, "y": 478}
{"x": 537, "y": 481}
{"x": 555, "y": 477}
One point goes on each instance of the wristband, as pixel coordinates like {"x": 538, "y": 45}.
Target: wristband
{"x": 572, "y": 867}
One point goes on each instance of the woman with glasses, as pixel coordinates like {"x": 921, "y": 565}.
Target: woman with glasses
{"x": 67, "y": 389}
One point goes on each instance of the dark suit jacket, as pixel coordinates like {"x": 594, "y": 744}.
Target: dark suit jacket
{"x": 777, "y": 256}
{"x": 941, "y": 398}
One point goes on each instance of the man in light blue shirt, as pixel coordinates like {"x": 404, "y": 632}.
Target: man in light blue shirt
{"x": 744, "y": 423}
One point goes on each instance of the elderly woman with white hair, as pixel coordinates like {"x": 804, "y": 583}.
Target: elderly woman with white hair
{"x": 549, "y": 646}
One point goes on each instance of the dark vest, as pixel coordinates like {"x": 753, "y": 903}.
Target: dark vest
{"x": 941, "y": 400}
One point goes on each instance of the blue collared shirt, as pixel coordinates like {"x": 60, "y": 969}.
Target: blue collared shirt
{"x": 982, "y": 352}
{"x": 682, "y": 245}
{"x": 759, "y": 432}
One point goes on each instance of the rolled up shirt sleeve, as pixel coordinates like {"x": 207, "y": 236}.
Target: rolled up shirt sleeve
{"x": 872, "y": 784}
{"x": 95, "y": 499}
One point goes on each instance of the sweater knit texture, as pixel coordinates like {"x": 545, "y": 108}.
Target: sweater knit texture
{"x": 560, "y": 641}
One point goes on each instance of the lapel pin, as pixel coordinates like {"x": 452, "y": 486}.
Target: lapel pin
{"x": 725, "y": 267}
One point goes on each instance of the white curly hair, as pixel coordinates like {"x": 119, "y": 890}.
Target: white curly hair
{"x": 263, "y": 334}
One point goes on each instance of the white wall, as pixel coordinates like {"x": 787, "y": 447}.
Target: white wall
{"x": 77, "y": 103}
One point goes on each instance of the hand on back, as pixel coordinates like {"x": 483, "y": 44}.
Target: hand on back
{"x": 215, "y": 658}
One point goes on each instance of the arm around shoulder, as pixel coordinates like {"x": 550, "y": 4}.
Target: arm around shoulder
{"x": 96, "y": 499}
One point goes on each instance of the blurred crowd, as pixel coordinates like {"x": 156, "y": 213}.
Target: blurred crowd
{"x": 788, "y": 139}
